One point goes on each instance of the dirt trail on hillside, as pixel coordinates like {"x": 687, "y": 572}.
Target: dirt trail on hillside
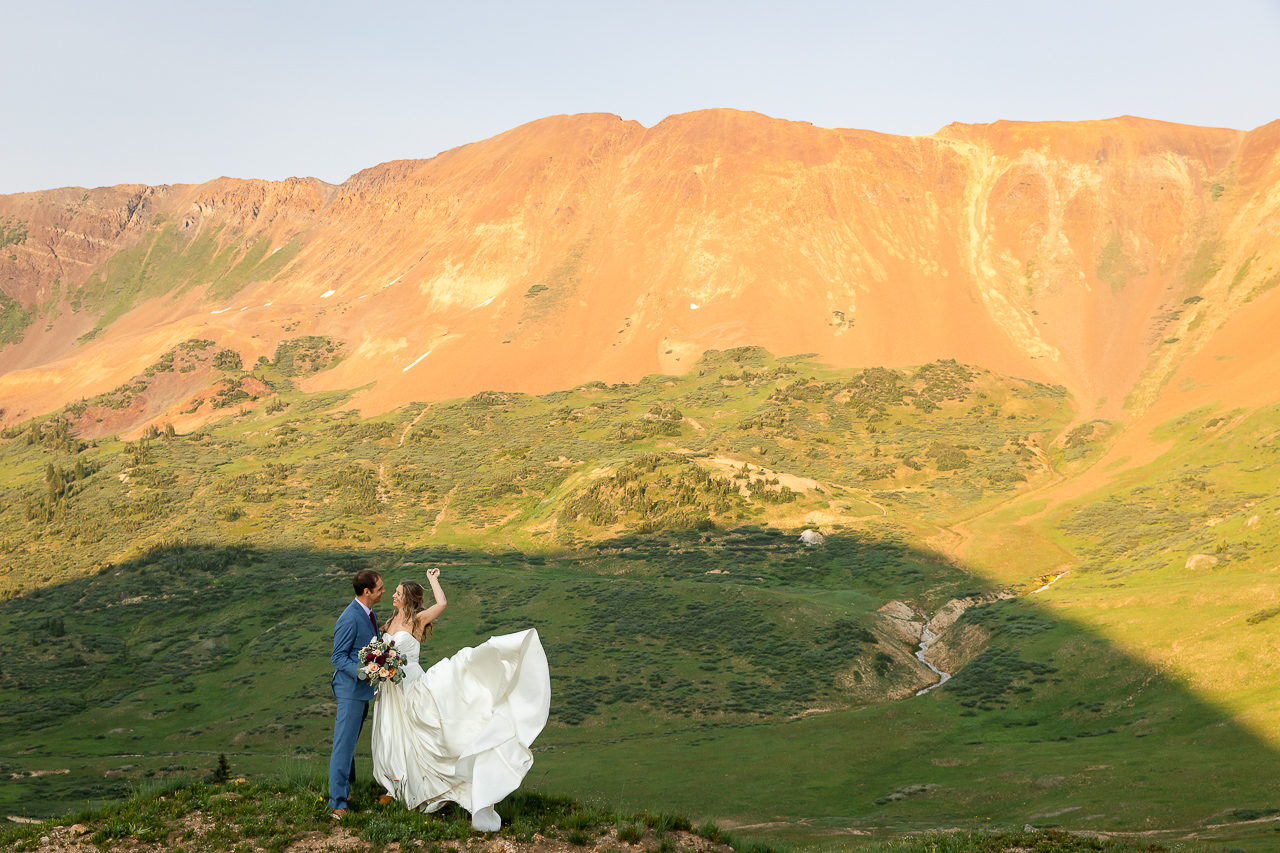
{"x": 862, "y": 496}
{"x": 384, "y": 487}
{"x": 1194, "y": 832}
{"x": 413, "y": 423}
{"x": 443, "y": 509}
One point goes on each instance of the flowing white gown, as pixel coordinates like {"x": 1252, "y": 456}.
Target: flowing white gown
{"x": 460, "y": 731}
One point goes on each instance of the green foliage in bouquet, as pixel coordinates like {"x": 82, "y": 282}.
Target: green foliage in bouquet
{"x": 381, "y": 662}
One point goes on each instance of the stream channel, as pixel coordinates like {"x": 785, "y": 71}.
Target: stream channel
{"x": 911, "y": 624}
{"x": 926, "y": 640}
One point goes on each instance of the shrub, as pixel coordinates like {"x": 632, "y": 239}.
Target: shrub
{"x": 581, "y": 820}
{"x": 710, "y": 831}
{"x": 952, "y": 459}
{"x": 380, "y": 832}
{"x": 629, "y": 832}
{"x": 227, "y": 359}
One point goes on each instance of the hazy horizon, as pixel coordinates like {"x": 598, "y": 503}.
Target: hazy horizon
{"x": 150, "y": 93}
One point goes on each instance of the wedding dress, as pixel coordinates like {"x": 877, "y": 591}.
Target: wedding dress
{"x": 460, "y": 731}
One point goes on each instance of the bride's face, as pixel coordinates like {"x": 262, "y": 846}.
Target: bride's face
{"x": 397, "y": 598}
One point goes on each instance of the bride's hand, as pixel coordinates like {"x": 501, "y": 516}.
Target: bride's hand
{"x": 433, "y": 573}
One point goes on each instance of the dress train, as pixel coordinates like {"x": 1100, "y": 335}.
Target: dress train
{"x": 460, "y": 732}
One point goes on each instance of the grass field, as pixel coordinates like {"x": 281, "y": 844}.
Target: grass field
{"x": 170, "y": 599}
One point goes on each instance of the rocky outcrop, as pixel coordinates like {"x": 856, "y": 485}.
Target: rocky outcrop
{"x": 71, "y": 232}
{"x": 1198, "y": 562}
{"x": 957, "y": 644}
{"x": 903, "y": 620}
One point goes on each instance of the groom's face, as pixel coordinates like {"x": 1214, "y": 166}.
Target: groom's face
{"x": 374, "y": 595}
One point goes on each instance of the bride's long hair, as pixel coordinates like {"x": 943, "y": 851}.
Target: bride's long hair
{"x": 410, "y": 604}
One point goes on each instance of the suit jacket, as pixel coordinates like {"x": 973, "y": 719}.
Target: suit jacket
{"x": 352, "y": 632}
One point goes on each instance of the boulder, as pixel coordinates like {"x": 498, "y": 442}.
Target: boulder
{"x": 812, "y": 537}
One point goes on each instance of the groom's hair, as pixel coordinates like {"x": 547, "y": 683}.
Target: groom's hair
{"x": 365, "y": 580}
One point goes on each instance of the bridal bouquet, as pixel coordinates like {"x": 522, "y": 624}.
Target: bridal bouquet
{"x": 380, "y": 662}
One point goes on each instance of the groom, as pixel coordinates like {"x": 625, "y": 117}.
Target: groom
{"x": 356, "y": 627}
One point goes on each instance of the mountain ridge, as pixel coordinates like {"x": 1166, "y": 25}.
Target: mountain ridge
{"x": 1097, "y": 255}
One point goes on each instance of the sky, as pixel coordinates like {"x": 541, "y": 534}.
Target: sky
{"x": 94, "y": 94}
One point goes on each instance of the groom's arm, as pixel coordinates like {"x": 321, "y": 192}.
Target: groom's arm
{"x": 345, "y": 646}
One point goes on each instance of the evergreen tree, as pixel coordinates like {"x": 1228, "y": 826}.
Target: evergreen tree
{"x": 222, "y": 773}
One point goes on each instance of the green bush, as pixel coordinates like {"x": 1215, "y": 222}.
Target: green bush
{"x": 630, "y": 831}
{"x": 710, "y": 831}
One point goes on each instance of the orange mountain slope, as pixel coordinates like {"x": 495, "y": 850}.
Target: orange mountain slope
{"x": 1098, "y": 255}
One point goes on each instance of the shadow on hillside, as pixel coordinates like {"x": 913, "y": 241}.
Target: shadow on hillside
{"x": 681, "y": 660}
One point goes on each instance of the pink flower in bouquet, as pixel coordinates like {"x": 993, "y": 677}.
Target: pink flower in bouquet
{"x": 380, "y": 662}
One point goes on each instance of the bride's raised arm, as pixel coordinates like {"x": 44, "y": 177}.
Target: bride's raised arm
{"x": 427, "y": 616}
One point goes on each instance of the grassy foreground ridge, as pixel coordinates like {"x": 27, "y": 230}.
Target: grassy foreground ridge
{"x": 287, "y": 814}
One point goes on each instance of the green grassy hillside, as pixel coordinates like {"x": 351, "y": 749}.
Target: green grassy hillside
{"x": 172, "y": 598}
{"x": 676, "y": 694}
{"x": 744, "y": 439}
{"x": 167, "y": 262}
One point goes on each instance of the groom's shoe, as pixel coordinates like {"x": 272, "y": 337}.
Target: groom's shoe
{"x": 337, "y": 814}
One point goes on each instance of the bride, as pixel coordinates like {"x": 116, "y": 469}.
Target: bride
{"x": 459, "y": 731}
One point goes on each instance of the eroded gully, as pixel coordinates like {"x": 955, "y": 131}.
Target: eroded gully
{"x": 926, "y": 640}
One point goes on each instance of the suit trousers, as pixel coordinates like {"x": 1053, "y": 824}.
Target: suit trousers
{"x": 342, "y": 763}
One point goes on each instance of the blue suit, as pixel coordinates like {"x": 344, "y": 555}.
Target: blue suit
{"x": 352, "y": 632}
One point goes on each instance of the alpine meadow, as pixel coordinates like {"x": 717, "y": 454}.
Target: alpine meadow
{"x": 858, "y": 486}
